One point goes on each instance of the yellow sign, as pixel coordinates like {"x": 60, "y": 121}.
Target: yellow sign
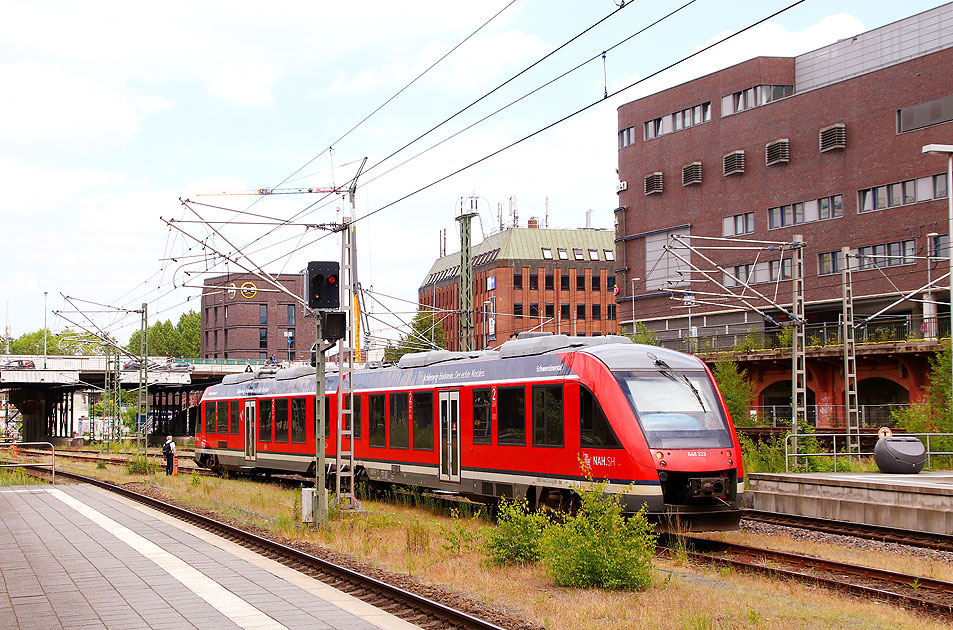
{"x": 232, "y": 289}
{"x": 884, "y": 432}
{"x": 249, "y": 290}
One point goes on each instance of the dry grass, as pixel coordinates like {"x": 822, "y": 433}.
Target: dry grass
{"x": 436, "y": 550}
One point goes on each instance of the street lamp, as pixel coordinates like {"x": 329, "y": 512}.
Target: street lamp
{"x": 947, "y": 150}
{"x": 44, "y": 329}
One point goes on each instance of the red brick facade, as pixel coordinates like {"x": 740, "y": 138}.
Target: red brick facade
{"x": 236, "y": 308}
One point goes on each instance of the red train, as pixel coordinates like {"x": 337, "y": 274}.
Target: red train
{"x": 524, "y": 421}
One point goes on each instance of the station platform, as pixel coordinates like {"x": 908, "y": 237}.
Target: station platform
{"x": 75, "y": 556}
{"x": 920, "y": 502}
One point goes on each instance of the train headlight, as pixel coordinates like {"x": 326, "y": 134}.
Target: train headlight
{"x": 730, "y": 463}
{"x": 658, "y": 455}
{"x": 662, "y": 464}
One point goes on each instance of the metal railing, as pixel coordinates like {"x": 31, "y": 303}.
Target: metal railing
{"x": 833, "y": 415}
{"x": 735, "y": 338}
{"x": 845, "y": 441}
{"x": 11, "y": 447}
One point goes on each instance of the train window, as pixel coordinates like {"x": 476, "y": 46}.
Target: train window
{"x": 481, "y": 416}
{"x": 594, "y": 428}
{"x": 376, "y": 432}
{"x": 399, "y": 421}
{"x": 299, "y": 420}
{"x": 547, "y": 415}
{"x": 676, "y": 410}
{"x": 356, "y": 413}
{"x": 511, "y": 416}
{"x": 210, "y": 417}
{"x": 328, "y": 417}
{"x": 233, "y": 417}
{"x": 281, "y": 420}
{"x": 423, "y": 420}
{"x": 264, "y": 421}
{"x": 221, "y": 409}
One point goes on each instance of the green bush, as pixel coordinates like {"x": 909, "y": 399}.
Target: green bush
{"x": 515, "y": 539}
{"x": 140, "y": 465}
{"x": 596, "y": 547}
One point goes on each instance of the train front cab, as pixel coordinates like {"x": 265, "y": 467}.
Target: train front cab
{"x": 670, "y": 417}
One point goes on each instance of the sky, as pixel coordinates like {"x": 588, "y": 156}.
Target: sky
{"x": 114, "y": 113}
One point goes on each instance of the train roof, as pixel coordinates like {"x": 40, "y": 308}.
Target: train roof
{"x": 530, "y": 357}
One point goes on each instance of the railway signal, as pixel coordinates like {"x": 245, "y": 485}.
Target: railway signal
{"x": 323, "y": 287}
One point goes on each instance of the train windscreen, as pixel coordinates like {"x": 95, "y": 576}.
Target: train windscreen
{"x": 676, "y": 410}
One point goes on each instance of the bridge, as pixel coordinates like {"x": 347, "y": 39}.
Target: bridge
{"x": 45, "y": 397}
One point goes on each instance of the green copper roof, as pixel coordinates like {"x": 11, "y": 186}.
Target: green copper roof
{"x": 528, "y": 244}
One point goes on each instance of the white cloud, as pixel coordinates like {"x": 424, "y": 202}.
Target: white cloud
{"x": 243, "y": 84}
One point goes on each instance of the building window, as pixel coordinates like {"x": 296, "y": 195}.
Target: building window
{"x": 518, "y": 309}
{"x": 596, "y": 281}
{"x": 626, "y": 137}
{"x": 887, "y": 255}
{"x": 830, "y": 207}
{"x": 665, "y": 270}
{"x": 941, "y": 187}
{"x": 733, "y": 163}
{"x": 783, "y": 265}
{"x": 577, "y": 253}
{"x": 692, "y": 174}
{"x": 534, "y": 310}
{"x": 549, "y": 282}
{"x": 517, "y": 281}
{"x": 742, "y": 275}
{"x": 828, "y": 263}
{"x": 533, "y": 282}
{"x": 564, "y": 311}
{"x": 564, "y": 281}
{"x": 610, "y": 311}
{"x": 753, "y": 97}
{"x": 580, "y": 311}
{"x": 784, "y": 216}
{"x": 676, "y": 121}
{"x": 291, "y": 314}
{"x": 580, "y": 280}
{"x": 550, "y": 311}
{"x": 596, "y": 311}
{"x": 262, "y": 314}
{"x": 610, "y": 283}
{"x": 738, "y": 224}
{"x": 653, "y": 183}
{"x": 291, "y": 338}
{"x": 593, "y": 254}
{"x": 897, "y": 194}
{"x": 925, "y": 114}
{"x": 547, "y": 253}
{"x": 562, "y": 253}
{"x": 777, "y": 152}
{"x": 225, "y": 347}
{"x": 609, "y": 254}
{"x": 833, "y": 137}
{"x": 263, "y": 338}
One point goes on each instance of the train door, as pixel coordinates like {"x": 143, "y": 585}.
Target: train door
{"x": 251, "y": 429}
{"x": 449, "y": 403}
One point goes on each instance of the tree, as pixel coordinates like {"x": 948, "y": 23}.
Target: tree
{"x": 426, "y": 334}
{"x": 164, "y": 339}
{"x": 737, "y": 391}
{"x": 642, "y": 334}
{"x": 68, "y": 342}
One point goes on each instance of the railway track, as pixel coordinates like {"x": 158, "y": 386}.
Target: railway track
{"x": 926, "y": 540}
{"x": 411, "y": 607}
{"x": 910, "y": 591}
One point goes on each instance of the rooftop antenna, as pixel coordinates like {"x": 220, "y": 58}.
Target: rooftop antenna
{"x": 499, "y": 214}
{"x": 589, "y": 218}
{"x": 514, "y": 212}
{"x": 546, "y": 215}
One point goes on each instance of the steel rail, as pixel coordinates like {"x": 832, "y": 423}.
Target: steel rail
{"x": 899, "y": 588}
{"x": 926, "y": 540}
{"x": 396, "y": 600}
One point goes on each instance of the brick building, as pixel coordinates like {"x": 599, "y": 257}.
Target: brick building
{"x": 825, "y": 146}
{"x": 244, "y": 318}
{"x": 560, "y": 281}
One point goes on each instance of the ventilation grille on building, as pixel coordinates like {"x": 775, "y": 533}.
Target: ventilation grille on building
{"x": 653, "y": 183}
{"x": 734, "y": 163}
{"x": 777, "y": 152}
{"x": 692, "y": 174}
{"x": 833, "y": 137}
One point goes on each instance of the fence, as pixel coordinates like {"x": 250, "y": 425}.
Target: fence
{"x": 748, "y": 339}
{"x": 845, "y": 441}
{"x": 11, "y": 449}
{"x": 832, "y": 415}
